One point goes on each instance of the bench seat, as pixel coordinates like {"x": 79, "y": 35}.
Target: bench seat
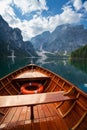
{"x": 33, "y": 99}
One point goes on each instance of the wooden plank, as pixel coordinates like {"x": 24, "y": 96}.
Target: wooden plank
{"x": 36, "y": 125}
{"x": 30, "y": 74}
{"x": 33, "y": 99}
{"x": 79, "y": 122}
{"x": 28, "y": 125}
{"x": 9, "y": 115}
{"x": 43, "y": 124}
{"x": 31, "y": 78}
{"x": 51, "y": 124}
{"x": 23, "y": 113}
{"x": 52, "y": 109}
{"x": 40, "y": 111}
{"x": 60, "y": 124}
{"x": 46, "y": 111}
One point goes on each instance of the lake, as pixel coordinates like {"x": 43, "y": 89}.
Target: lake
{"x": 75, "y": 71}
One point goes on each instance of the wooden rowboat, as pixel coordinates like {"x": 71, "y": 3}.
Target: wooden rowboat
{"x": 60, "y": 106}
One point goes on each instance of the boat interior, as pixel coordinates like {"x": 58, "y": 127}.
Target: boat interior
{"x": 69, "y": 112}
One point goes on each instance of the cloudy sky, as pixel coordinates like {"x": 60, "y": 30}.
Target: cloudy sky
{"x": 36, "y": 16}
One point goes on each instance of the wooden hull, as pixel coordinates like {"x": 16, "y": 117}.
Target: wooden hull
{"x": 64, "y": 114}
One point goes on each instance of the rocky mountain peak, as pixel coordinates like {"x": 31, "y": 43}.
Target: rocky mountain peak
{"x": 13, "y": 38}
{"x": 65, "y": 38}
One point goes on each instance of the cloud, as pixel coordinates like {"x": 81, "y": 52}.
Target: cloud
{"x": 77, "y": 4}
{"x": 85, "y": 6}
{"x": 70, "y": 16}
{"x": 28, "y": 28}
{"x": 28, "y": 6}
{"x": 5, "y": 8}
{"x": 25, "y": 6}
{"x": 38, "y": 23}
{"x": 33, "y": 27}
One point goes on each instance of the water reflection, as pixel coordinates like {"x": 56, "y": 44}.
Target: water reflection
{"x": 12, "y": 57}
{"x": 67, "y": 70}
{"x": 7, "y": 65}
{"x": 80, "y": 64}
{"x": 75, "y": 73}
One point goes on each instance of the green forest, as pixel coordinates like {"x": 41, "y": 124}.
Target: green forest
{"x": 80, "y": 53}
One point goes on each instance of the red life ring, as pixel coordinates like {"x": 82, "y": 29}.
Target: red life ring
{"x": 25, "y": 88}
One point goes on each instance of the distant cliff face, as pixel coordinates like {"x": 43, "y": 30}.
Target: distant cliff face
{"x": 12, "y": 40}
{"x": 64, "y": 38}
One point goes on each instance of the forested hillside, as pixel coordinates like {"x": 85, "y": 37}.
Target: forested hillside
{"x": 80, "y": 53}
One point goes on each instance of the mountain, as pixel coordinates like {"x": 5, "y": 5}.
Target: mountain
{"x": 64, "y": 39}
{"x": 11, "y": 41}
{"x": 80, "y": 53}
{"x": 39, "y": 41}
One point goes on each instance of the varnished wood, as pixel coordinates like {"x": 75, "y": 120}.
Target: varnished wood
{"x": 2, "y": 113}
{"x": 66, "y": 110}
{"x": 33, "y": 99}
{"x": 80, "y": 120}
{"x": 30, "y": 78}
{"x": 30, "y": 74}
